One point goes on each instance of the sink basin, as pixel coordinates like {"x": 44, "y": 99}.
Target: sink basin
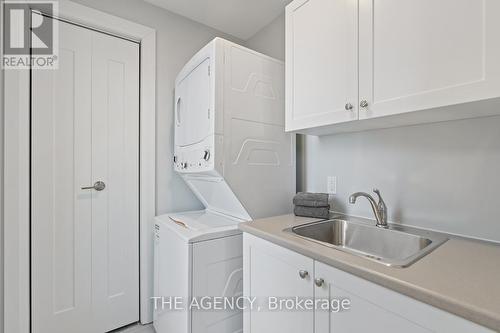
{"x": 396, "y": 245}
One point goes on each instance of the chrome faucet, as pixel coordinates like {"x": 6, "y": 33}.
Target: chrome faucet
{"x": 379, "y": 209}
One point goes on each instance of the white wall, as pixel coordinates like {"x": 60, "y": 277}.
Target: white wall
{"x": 442, "y": 176}
{"x": 271, "y": 39}
{"x": 178, "y": 39}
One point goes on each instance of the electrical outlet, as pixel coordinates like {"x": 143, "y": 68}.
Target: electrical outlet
{"x": 331, "y": 184}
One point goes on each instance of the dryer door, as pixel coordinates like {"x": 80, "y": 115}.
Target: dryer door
{"x": 192, "y": 106}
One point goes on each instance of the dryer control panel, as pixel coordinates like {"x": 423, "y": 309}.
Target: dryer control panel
{"x": 195, "y": 158}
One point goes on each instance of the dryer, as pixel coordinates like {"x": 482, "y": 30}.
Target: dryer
{"x": 231, "y": 149}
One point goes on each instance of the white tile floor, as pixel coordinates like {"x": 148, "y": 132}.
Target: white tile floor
{"x": 136, "y": 329}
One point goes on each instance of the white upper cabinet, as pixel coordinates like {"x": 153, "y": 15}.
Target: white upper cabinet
{"x": 321, "y": 63}
{"x": 417, "y": 60}
{"x": 422, "y": 54}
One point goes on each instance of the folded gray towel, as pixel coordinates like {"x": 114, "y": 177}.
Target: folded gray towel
{"x": 318, "y": 212}
{"x": 311, "y": 199}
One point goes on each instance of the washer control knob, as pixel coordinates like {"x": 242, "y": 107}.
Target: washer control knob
{"x": 206, "y": 155}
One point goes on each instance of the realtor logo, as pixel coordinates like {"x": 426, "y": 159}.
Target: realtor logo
{"x": 29, "y": 35}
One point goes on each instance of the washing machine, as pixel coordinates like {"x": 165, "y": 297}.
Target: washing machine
{"x": 231, "y": 149}
{"x": 197, "y": 254}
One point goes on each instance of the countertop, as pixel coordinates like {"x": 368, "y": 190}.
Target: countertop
{"x": 461, "y": 276}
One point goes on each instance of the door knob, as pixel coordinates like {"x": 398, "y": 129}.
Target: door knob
{"x": 98, "y": 186}
{"x": 303, "y": 274}
{"x": 319, "y": 282}
{"x": 348, "y": 107}
{"x": 363, "y": 104}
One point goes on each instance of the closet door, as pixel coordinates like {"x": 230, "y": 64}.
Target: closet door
{"x": 84, "y": 186}
{"x": 423, "y": 54}
{"x": 61, "y": 213}
{"x": 115, "y": 160}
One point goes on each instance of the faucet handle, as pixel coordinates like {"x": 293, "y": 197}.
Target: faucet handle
{"x": 377, "y": 192}
{"x": 382, "y": 208}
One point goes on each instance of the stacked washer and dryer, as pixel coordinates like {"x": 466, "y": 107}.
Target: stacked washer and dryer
{"x": 233, "y": 153}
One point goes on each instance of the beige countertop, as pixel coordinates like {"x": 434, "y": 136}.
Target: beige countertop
{"x": 461, "y": 276}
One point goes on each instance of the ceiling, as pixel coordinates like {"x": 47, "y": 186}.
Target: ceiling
{"x": 240, "y": 18}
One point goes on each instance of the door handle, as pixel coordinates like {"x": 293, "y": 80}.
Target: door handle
{"x": 98, "y": 186}
{"x": 178, "y": 112}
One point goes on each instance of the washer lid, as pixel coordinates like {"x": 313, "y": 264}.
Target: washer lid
{"x": 202, "y": 220}
{"x": 202, "y": 225}
{"x": 216, "y": 195}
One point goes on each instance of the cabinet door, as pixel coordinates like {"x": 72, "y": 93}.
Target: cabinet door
{"x": 321, "y": 63}
{"x": 273, "y": 271}
{"x": 376, "y": 309}
{"x": 423, "y": 54}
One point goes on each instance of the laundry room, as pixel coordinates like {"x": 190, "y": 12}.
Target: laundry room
{"x": 199, "y": 166}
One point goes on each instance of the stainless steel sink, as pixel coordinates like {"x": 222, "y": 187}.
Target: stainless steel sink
{"x": 396, "y": 245}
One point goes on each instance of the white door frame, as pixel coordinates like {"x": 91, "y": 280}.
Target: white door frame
{"x": 17, "y": 167}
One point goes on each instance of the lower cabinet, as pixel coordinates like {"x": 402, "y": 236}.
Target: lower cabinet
{"x": 377, "y": 309}
{"x": 341, "y": 301}
{"x": 272, "y": 271}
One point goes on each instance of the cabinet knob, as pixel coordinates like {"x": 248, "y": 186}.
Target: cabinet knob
{"x": 319, "y": 282}
{"x": 348, "y": 107}
{"x": 303, "y": 274}
{"x": 363, "y": 104}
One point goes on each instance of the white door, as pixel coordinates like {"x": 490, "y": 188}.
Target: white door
{"x": 321, "y": 63}
{"x": 273, "y": 271}
{"x": 416, "y": 55}
{"x": 84, "y": 242}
